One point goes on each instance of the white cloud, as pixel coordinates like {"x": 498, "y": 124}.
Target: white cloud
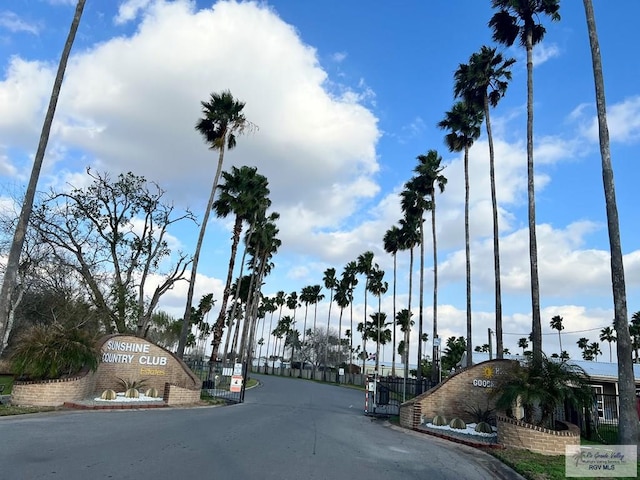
{"x": 12, "y": 22}
{"x": 544, "y": 52}
{"x": 129, "y": 10}
{"x": 623, "y": 121}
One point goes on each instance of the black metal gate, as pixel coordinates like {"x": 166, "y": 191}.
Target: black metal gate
{"x": 222, "y": 380}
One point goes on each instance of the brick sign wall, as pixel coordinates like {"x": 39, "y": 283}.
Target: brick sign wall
{"x": 133, "y": 358}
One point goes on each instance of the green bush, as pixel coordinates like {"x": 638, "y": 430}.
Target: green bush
{"x": 54, "y": 351}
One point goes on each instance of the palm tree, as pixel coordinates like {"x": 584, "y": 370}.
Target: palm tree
{"x": 378, "y": 287}
{"x": 244, "y": 193}
{"x": 594, "y": 348}
{"x": 608, "y": 334}
{"x": 342, "y": 300}
{"x": 365, "y": 265}
{"x": 414, "y": 203}
{"x": 13, "y": 261}
{"x": 306, "y": 297}
{"x": 523, "y": 344}
{"x": 292, "y": 304}
{"x": 628, "y": 423}
{"x": 350, "y": 279}
{"x": 517, "y": 19}
{"x": 222, "y": 120}
{"x": 484, "y": 82}
{"x": 316, "y": 297}
{"x": 556, "y": 324}
{"x": 463, "y": 122}
{"x": 330, "y": 282}
{"x": 634, "y": 333}
{"x": 409, "y": 238}
{"x": 380, "y": 332}
{"x": 583, "y": 344}
{"x": 391, "y": 241}
{"x": 278, "y": 301}
{"x": 430, "y": 171}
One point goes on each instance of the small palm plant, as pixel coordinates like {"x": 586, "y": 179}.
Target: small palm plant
{"x": 54, "y": 351}
{"x": 541, "y": 387}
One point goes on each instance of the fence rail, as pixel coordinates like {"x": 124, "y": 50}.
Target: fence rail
{"x": 217, "y": 379}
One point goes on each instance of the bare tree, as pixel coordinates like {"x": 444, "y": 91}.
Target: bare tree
{"x": 113, "y": 234}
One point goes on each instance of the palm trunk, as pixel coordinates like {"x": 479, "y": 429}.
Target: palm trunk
{"x": 435, "y": 371}
{"x": 536, "y": 332}
{"x": 628, "y": 421}
{"x": 326, "y": 349}
{"x": 467, "y": 252}
{"x": 226, "y": 293}
{"x": 393, "y": 353}
{"x": 407, "y": 333}
{"x": 421, "y": 307}
{"x": 186, "y": 323}
{"x": 496, "y": 236}
{"x": 13, "y": 262}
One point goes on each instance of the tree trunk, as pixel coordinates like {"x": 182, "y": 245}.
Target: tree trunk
{"x": 420, "y": 311}
{"x": 13, "y": 261}
{"x": 628, "y": 421}
{"x": 467, "y": 252}
{"x": 536, "y": 325}
{"x": 407, "y": 333}
{"x": 496, "y": 235}
{"x": 393, "y": 322}
{"x": 186, "y": 323}
{"x": 435, "y": 371}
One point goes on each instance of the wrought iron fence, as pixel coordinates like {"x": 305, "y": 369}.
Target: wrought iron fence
{"x": 220, "y": 379}
{"x": 598, "y": 423}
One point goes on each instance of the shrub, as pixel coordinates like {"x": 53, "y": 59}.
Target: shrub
{"x": 458, "y": 424}
{"x": 54, "y": 351}
{"x": 439, "y": 420}
{"x": 132, "y": 383}
{"x": 542, "y": 387}
{"x": 480, "y": 414}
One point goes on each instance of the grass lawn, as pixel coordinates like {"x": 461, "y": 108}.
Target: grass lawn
{"x": 534, "y": 466}
{"x": 7, "y": 381}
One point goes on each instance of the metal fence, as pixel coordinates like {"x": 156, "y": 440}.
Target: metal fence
{"x": 600, "y": 422}
{"x": 223, "y": 380}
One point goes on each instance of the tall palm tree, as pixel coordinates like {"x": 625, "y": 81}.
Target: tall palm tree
{"x": 484, "y": 81}
{"x": 409, "y": 238}
{"x": 380, "y": 332}
{"x": 279, "y": 301}
{"x": 608, "y": 334}
{"x": 245, "y": 194}
{"x": 414, "y": 203}
{"x": 222, "y": 120}
{"x": 391, "y": 241}
{"x": 556, "y": 324}
{"x": 523, "y": 344}
{"x": 292, "y": 304}
{"x": 306, "y": 297}
{"x": 13, "y": 261}
{"x": 330, "y": 283}
{"x": 634, "y": 333}
{"x": 350, "y": 279}
{"x": 378, "y": 287}
{"x": 463, "y": 122}
{"x": 365, "y": 266}
{"x": 628, "y": 429}
{"x": 403, "y": 320}
{"x": 518, "y": 20}
{"x": 429, "y": 170}
{"x": 316, "y": 297}
{"x": 342, "y": 300}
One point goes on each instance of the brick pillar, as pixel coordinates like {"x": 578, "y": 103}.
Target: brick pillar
{"x": 417, "y": 415}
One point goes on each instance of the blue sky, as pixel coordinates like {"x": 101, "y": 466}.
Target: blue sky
{"x": 345, "y": 95}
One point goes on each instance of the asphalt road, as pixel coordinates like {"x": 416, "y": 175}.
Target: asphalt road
{"x": 287, "y": 429}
